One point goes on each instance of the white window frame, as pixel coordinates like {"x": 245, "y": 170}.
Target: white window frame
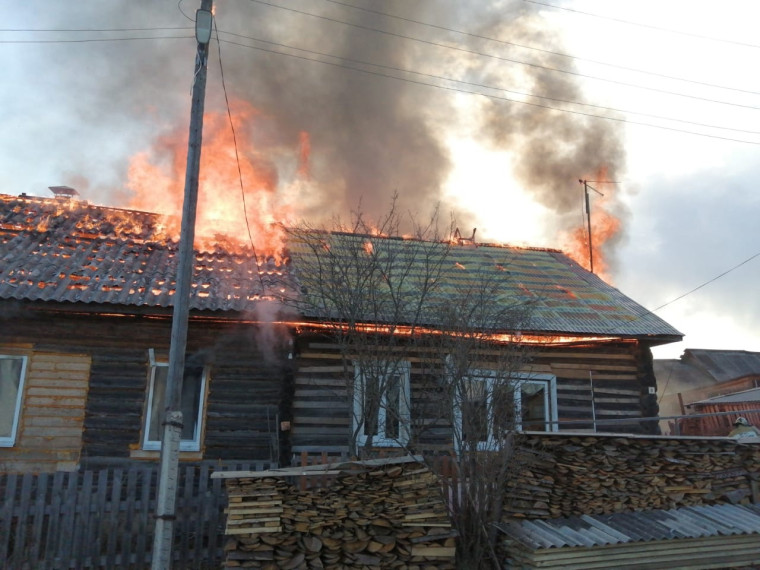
{"x": 405, "y": 414}
{"x": 548, "y": 381}
{"x": 184, "y": 444}
{"x": 10, "y": 440}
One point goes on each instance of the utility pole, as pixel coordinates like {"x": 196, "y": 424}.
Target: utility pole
{"x": 588, "y": 218}
{"x": 172, "y": 423}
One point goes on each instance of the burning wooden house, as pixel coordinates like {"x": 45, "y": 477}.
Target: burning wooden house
{"x": 86, "y": 296}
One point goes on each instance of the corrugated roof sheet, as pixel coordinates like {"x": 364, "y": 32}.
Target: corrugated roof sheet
{"x": 724, "y": 365}
{"x": 565, "y": 298}
{"x": 641, "y": 526}
{"x": 66, "y": 250}
{"x": 752, "y": 395}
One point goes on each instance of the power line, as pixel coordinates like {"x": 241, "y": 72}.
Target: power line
{"x": 648, "y": 312}
{"x": 501, "y": 58}
{"x": 237, "y": 159}
{"x": 708, "y": 282}
{"x": 485, "y": 86}
{"x": 91, "y": 40}
{"x": 494, "y": 97}
{"x": 643, "y": 25}
{"x": 35, "y": 30}
{"x": 541, "y": 50}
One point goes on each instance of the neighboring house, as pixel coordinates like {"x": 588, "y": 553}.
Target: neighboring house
{"x": 700, "y": 375}
{"x": 85, "y": 301}
{"x": 727, "y": 408}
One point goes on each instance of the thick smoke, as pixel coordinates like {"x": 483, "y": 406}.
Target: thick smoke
{"x": 370, "y": 136}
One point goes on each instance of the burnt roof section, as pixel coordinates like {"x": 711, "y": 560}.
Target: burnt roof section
{"x": 565, "y": 299}
{"x": 71, "y": 251}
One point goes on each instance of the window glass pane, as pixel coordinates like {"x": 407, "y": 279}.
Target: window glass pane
{"x": 392, "y": 410}
{"x": 10, "y": 380}
{"x": 160, "y": 374}
{"x": 503, "y": 402}
{"x": 474, "y": 411}
{"x": 534, "y": 412}
{"x": 371, "y": 406}
{"x": 190, "y": 403}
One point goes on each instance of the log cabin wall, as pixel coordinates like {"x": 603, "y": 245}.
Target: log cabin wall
{"x": 619, "y": 370}
{"x": 49, "y": 433}
{"x": 243, "y": 392}
{"x": 621, "y": 375}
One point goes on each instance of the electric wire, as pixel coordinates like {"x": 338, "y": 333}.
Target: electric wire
{"x": 91, "y": 40}
{"x": 494, "y": 97}
{"x": 496, "y": 88}
{"x": 648, "y": 312}
{"x": 474, "y": 84}
{"x": 506, "y": 59}
{"x": 179, "y": 8}
{"x": 541, "y": 50}
{"x": 237, "y": 161}
{"x": 735, "y": 267}
{"x": 643, "y": 25}
{"x": 99, "y": 30}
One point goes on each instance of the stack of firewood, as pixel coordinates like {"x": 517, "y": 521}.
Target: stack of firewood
{"x": 370, "y": 515}
{"x": 573, "y": 475}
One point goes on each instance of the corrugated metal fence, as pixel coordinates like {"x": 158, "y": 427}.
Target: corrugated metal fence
{"x": 103, "y": 518}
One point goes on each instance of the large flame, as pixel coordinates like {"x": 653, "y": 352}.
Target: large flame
{"x": 605, "y": 226}
{"x": 228, "y": 216}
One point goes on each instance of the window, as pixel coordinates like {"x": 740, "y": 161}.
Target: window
{"x": 381, "y": 403}
{"x": 193, "y": 392}
{"x": 12, "y": 373}
{"x": 486, "y": 407}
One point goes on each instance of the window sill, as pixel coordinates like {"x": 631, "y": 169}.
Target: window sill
{"x": 147, "y": 454}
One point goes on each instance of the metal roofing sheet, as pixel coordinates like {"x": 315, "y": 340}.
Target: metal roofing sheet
{"x": 724, "y": 365}
{"x": 66, "y": 250}
{"x": 53, "y": 250}
{"x": 564, "y": 298}
{"x": 621, "y": 528}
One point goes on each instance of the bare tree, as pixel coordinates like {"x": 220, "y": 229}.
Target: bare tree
{"x": 431, "y": 357}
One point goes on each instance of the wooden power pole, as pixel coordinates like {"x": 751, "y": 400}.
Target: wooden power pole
{"x": 173, "y": 421}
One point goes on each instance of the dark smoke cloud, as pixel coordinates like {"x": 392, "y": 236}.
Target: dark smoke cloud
{"x": 370, "y": 136}
{"x": 553, "y": 149}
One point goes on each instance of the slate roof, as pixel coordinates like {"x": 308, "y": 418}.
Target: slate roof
{"x": 566, "y": 299}
{"x": 724, "y": 365}
{"x": 641, "y": 526}
{"x": 71, "y": 251}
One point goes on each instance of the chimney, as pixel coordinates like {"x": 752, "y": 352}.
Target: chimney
{"x": 63, "y": 192}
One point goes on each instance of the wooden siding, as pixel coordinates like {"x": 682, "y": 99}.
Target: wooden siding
{"x": 244, "y": 391}
{"x": 620, "y": 372}
{"x": 49, "y": 435}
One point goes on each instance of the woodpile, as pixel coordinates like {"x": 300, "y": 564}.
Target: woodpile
{"x": 592, "y": 474}
{"x": 375, "y": 514}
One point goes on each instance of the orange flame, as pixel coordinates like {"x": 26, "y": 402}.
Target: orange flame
{"x": 228, "y": 216}
{"x": 604, "y": 227}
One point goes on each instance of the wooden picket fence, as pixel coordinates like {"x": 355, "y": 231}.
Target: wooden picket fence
{"x": 104, "y": 518}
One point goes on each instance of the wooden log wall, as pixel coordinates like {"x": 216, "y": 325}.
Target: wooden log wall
{"x": 244, "y": 390}
{"x": 49, "y": 436}
{"x": 620, "y": 373}
{"x": 390, "y": 516}
{"x": 568, "y": 475}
